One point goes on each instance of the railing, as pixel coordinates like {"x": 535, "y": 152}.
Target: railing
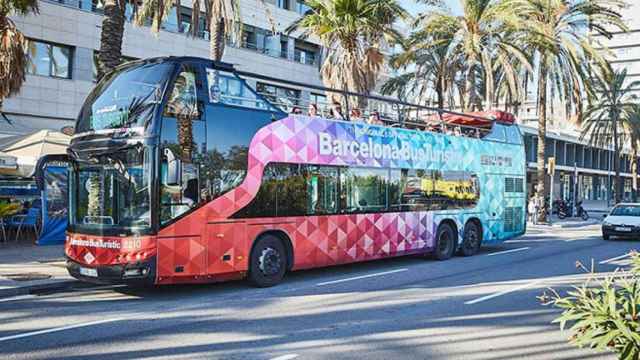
{"x": 402, "y": 116}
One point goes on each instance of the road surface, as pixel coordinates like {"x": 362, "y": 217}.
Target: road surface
{"x": 481, "y": 307}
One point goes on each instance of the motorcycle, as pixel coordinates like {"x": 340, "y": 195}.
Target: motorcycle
{"x": 564, "y": 210}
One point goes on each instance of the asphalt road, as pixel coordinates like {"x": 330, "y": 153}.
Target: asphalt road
{"x": 482, "y": 307}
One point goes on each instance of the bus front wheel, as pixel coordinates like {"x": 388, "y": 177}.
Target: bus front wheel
{"x": 268, "y": 262}
{"x": 471, "y": 239}
{"x": 445, "y": 242}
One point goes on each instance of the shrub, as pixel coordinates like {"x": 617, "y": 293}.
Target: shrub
{"x": 603, "y": 314}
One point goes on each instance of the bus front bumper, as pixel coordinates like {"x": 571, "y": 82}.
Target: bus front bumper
{"x": 141, "y": 273}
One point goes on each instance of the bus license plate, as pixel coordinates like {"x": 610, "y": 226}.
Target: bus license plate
{"x": 88, "y": 272}
{"x": 623, "y": 229}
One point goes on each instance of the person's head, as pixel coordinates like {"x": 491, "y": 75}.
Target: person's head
{"x": 313, "y": 109}
{"x": 337, "y": 106}
{"x": 355, "y": 113}
{"x": 296, "y": 110}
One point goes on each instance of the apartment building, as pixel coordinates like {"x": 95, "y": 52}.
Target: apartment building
{"x": 65, "y": 37}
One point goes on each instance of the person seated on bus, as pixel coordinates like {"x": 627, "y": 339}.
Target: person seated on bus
{"x": 336, "y": 111}
{"x": 456, "y": 131}
{"x": 356, "y": 115}
{"x": 295, "y": 110}
{"x": 313, "y": 110}
{"x": 374, "y": 118}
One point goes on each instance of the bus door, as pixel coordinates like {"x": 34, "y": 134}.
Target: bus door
{"x": 181, "y": 248}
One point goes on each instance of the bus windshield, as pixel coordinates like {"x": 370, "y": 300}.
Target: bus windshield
{"x": 125, "y": 99}
{"x": 113, "y": 193}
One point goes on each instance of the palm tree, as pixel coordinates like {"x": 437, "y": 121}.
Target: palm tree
{"x": 634, "y": 122}
{"x": 433, "y": 70}
{"x": 353, "y": 34}
{"x": 13, "y": 47}
{"x": 482, "y": 38}
{"x": 558, "y": 34}
{"x": 110, "y": 53}
{"x": 608, "y": 119}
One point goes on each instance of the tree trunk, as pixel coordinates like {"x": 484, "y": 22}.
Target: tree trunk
{"x": 542, "y": 133}
{"x": 634, "y": 171}
{"x": 217, "y": 41}
{"x": 440, "y": 92}
{"x": 110, "y": 37}
{"x": 185, "y": 138}
{"x": 616, "y": 158}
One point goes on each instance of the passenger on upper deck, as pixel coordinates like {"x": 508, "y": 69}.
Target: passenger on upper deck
{"x": 296, "y": 110}
{"x": 336, "y": 111}
{"x": 356, "y": 115}
{"x": 313, "y": 110}
{"x": 374, "y": 118}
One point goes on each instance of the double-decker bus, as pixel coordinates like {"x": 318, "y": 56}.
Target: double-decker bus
{"x": 182, "y": 173}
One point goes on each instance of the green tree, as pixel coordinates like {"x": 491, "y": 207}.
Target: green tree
{"x": 558, "y": 35}
{"x": 433, "y": 69}
{"x": 13, "y": 47}
{"x": 608, "y": 119}
{"x": 482, "y": 37}
{"x": 353, "y": 33}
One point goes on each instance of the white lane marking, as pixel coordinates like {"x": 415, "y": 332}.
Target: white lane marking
{"x": 614, "y": 259}
{"x": 509, "y": 251}
{"x": 504, "y": 292}
{"x": 361, "y": 277}
{"x": 68, "y": 327}
{"x": 286, "y": 357}
{"x": 16, "y": 298}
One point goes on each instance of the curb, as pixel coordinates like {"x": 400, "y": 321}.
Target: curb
{"x": 54, "y": 285}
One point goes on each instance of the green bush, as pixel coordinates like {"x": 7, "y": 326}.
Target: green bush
{"x": 603, "y": 314}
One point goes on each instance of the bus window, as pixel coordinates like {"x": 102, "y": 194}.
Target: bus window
{"x": 184, "y": 135}
{"x": 322, "y": 190}
{"x": 363, "y": 190}
{"x": 183, "y": 99}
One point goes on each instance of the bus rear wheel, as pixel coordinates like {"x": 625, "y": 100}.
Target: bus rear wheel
{"x": 268, "y": 262}
{"x": 471, "y": 239}
{"x": 445, "y": 242}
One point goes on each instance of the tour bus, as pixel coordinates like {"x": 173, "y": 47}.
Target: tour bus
{"x": 181, "y": 172}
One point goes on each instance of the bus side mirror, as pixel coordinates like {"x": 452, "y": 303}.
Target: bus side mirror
{"x": 174, "y": 169}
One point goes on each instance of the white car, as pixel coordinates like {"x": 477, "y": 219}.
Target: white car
{"x": 623, "y": 221}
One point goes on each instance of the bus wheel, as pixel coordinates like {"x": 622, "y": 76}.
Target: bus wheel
{"x": 471, "y": 239}
{"x": 268, "y": 262}
{"x": 445, "y": 242}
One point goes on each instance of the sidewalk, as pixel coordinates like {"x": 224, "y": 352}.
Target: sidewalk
{"x": 27, "y": 268}
{"x": 556, "y": 223}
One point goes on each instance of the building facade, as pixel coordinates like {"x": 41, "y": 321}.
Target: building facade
{"x": 65, "y": 37}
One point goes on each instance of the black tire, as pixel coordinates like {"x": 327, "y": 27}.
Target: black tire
{"x": 445, "y": 242}
{"x": 268, "y": 261}
{"x": 471, "y": 239}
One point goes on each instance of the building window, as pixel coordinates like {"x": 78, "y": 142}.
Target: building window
{"x": 305, "y": 52}
{"x": 278, "y": 95}
{"x": 49, "y": 59}
{"x": 302, "y": 8}
{"x": 284, "y": 4}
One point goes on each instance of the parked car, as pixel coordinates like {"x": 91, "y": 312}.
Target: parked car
{"x": 623, "y": 221}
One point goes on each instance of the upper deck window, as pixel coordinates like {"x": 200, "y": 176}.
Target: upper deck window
{"x": 125, "y": 98}
{"x": 227, "y": 88}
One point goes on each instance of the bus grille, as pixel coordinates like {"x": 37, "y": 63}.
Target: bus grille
{"x": 513, "y": 219}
